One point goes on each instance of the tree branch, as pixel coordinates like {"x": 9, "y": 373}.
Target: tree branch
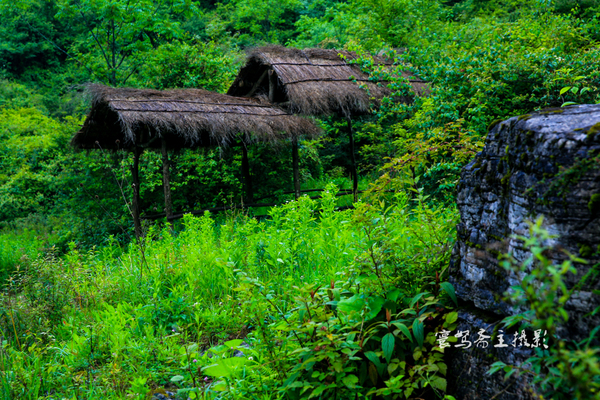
{"x": 57, "y": 46}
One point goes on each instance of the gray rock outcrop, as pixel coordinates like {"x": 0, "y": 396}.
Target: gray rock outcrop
{"x": 546, "y": 163}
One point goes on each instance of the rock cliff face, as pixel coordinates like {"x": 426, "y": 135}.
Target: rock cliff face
{"x": 546, "y": 163}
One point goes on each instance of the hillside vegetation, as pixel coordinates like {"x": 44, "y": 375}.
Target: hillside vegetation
{"x": 307, "y": 302}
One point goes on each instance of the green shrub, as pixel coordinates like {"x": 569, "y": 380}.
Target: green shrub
{"x": 564, "y": 369}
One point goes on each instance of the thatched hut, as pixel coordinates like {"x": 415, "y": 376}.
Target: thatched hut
{"x": 317, "y": 82}
{"x": 138, "y": 119}
{"x": 186, "y": 118}
{"x": 314, "y": 81}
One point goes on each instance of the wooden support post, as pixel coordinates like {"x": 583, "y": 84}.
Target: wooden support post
{"x": 352, "y": 159}
{"x": 135, "y": 202}
{"x": 272, "y": 85}
{"x": 295, "y": 166}
{"x": 246, "y": 173}
{"x": 166, "y": 180}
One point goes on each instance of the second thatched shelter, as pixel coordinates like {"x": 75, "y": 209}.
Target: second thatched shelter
{"x": 318, "y": 82}
{"x": 314, "y": 81}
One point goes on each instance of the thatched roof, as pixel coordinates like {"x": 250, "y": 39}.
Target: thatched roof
{"x": 122, "y": 118}
{"x": 314, "y": 81}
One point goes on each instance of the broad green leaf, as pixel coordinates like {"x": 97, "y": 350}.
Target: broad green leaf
{"x": 452, "y": 317}
{"x": 439, "y": 383}
{"x": 374, "y": 358}
{"x": 393, "y": 294}
{"x": 225, "y": 367}
{"x": 442, "y": 368}
{"x": 417, "y": 354}
{"x": 387, "y": 345}
{"x": 375, "y": 305}
{"x": 219, "y": 386}
{"x": 418, "y": 331}
{"x": 495, "y": 367}
{"x": 317, "y": 392}
{"x": 565, "y": 90}
{"x": 568, "y": 103}
{"x": 509, "y": 373}
{"x": 350, "y": 381}
{"x": 352, "y": 304}
{"x": 232, "y": 344}
{"x": 177, "y": 378}
{"x": 449, "y": 289}
{"x": 404, "y": 329}
{"x": 373, "y": 373}
{"x": 417, "y": 298}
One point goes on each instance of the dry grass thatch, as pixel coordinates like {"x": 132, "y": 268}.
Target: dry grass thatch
{"x": 314, "y": 81}
{"x": 122, "y": 118}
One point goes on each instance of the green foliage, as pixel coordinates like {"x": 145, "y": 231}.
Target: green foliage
{"x": 369, "y": 332}
{"x": 432, "y": 161}
{"x": 30, "y": 37}
{"x": 564, "y": 369}
{"x": 16, "y": 249}
{"x": 14, "y": 95}
{"x": 126, "y": 320}
{"x": 29, "y": 142}
{"x": 120, "y": 35}
{"x": 262, "y": 21}
{"x": 188, "y": 65}
{"x": 329, "y": 304}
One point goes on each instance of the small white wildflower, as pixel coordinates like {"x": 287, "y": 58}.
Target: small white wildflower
{"x": 250, "y": 358}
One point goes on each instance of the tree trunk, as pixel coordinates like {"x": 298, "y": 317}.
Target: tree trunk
{"x": 135, "y": 202}
{"x": 246, "y": 173}
{"x": 166, "y": 180}
{"x": 272, "y": 85}
{"x": 296, "y": 167}
{"x": 353, "y": 159}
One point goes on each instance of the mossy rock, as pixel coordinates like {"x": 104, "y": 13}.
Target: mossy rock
{"x": 493, "y": 124}
{"x": 585, "y": 250}
{"x": 594, "y": 204}
{"x": 552, "y": 111}
{"x": 593, "y": 130}
{"x": 505, "y": 179}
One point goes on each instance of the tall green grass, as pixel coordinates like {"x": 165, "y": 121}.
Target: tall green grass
{"x": 117, "y": 321}
{"x": 17, "y": 248}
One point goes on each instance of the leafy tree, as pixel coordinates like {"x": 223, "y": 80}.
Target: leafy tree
{"x": 121, "y": 34}
{"x": 30, "y": 37}
{"x": 190, "y": 64}
{"x": 255, "y": 21}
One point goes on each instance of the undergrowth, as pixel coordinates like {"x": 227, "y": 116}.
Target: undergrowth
{"x": 360, "y": 291}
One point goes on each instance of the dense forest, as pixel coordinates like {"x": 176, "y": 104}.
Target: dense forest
{"x": 301, "y": 300}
